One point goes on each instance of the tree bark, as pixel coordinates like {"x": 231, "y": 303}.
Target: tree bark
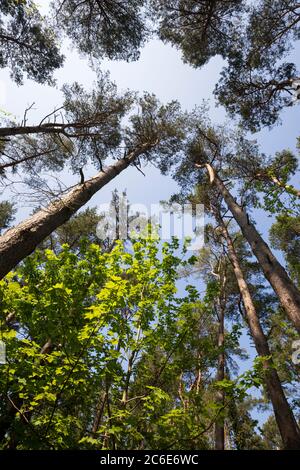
{"x": 26, "y": 130}
{"x": 288, "y": 294}
{"x": 20, "y": 241}
{"x": 15, "y": 404}
{"x": 285, "y": 419}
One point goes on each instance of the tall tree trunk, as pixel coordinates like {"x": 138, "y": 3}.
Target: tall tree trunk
{"x": 285, "y": 419}
{"x": 20, "y": 241}
{"x": 288, "y": 294}
{"x": 219, "y": 426}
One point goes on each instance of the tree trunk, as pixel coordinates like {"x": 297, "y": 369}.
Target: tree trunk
{"x": 285, "y": 419}
{"x": 99, "y": 413}
{"x": 20, "y": 241}
{"x": 288, "y": 294}
{"x": 219, "y": 426}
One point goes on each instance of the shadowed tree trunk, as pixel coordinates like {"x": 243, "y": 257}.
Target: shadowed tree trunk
{"x": 13, "y": 405}
{"x": 285, "y": 419}
{"x": 288, "y": 294}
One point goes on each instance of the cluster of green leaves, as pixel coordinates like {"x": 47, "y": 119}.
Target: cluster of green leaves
{"x": 106, "y": 315}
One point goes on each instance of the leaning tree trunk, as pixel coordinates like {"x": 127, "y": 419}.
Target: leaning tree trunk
{"x": 20, "y": 241}
{"x": 288, "y": 294}
{"x": 285, "y": 419}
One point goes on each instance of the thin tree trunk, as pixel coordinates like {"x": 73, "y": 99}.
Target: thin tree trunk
{"x": 103, "y": 397}
{"x": 288, "y": 294}
{"x": 285, "y": 419}
{"x": 219, "y": 427}
{"x": 99, "y": 414}
{"x": 20, "y": 241}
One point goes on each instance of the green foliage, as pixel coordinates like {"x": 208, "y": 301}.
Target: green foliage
{"x": 200, "y": 29}
{"x": 238, "y": 388}
{"x": 102, "y": 351}
{"x": 104, "y": 354}
{"x": 7, "y": 211}
{"x": 106, "y": 28}
{"x": 27, "y": 44}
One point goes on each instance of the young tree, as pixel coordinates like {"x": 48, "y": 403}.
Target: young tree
{"x": 106, "y": 314}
